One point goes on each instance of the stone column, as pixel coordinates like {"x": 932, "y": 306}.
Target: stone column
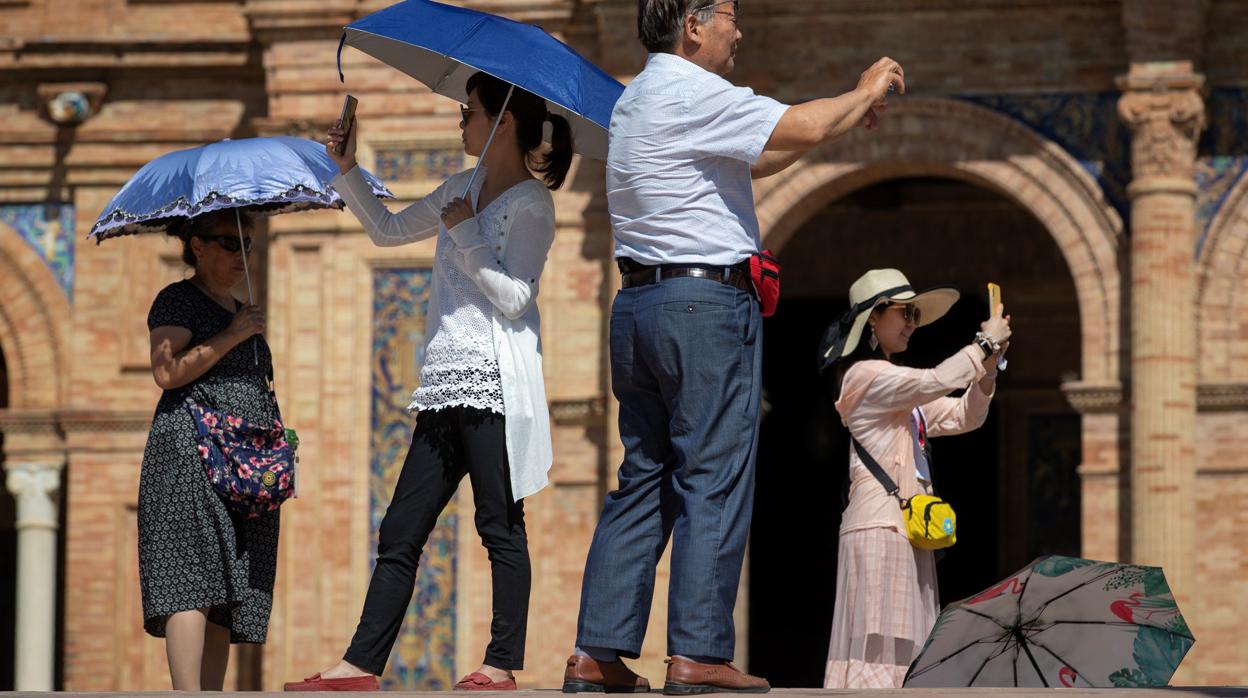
{"x": 36, "y": 487}
{"x": 1161, "y": 103}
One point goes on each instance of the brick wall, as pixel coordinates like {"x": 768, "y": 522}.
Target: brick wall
{"x": 183, "y": 73}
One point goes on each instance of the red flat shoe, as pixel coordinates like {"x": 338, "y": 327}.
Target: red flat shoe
{"x": 476, "y": 681}
{"x": 349, "y": 683}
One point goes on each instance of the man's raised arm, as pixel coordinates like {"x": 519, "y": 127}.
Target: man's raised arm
{"x": 811, "y": 124}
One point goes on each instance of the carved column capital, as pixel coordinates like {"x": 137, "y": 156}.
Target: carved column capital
{"x": 1094, "y": 398}
{"x": 34, "y": 484}
{"x": 1166, "y": 115}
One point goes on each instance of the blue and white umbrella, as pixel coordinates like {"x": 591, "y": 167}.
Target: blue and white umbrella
{"x": 442, "y": 46}
{"x": 268, "y": 176}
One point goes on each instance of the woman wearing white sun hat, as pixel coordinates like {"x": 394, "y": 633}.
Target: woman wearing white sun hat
{"x": 886, "y": 592}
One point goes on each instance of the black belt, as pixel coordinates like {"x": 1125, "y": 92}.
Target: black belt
{"x": 633, "y": 274}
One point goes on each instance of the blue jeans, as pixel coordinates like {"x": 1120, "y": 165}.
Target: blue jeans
{"x": 686, "y": 359}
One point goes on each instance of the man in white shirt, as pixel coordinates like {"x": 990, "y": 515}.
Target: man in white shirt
{"x": 686, "y": 341}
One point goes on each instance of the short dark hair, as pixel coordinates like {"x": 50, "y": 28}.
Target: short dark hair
{"x": 203, "y": 225}
{"x": 660, "y": 22}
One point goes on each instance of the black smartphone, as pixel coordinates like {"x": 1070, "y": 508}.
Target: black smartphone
{"x": 346, "y": 120}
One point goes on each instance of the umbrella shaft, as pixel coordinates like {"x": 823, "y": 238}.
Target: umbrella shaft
{"x": 488, "y": 141}
{"x": 238, "y": 219}
{"x": 242, "y": 246}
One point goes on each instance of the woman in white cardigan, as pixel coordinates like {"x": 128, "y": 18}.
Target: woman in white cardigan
{"x": 481, "y": 401}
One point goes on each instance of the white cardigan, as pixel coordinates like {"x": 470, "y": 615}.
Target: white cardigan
{"x": 508, "y": 275}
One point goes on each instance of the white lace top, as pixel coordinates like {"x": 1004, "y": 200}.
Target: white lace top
{"x": 460, "y": 366}
{"x": 484, "y": 329}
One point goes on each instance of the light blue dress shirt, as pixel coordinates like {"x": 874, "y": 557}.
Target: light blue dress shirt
{"x": 681, "y": 144}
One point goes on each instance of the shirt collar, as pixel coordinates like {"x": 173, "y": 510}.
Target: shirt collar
{"x": 670, "y": 62}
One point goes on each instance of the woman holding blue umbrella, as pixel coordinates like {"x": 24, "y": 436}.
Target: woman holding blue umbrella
{"x": 206, "y": 574}
{"x": 207, "y": 552}
{"x": 481, "y": 400}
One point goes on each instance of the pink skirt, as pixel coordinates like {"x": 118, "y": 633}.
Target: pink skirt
{"x": 886, "y": 604}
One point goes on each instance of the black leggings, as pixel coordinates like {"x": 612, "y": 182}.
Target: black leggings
{"x": 446, "y": 444}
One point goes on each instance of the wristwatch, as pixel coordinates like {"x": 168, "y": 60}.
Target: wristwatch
{"x": 985, "y": 344}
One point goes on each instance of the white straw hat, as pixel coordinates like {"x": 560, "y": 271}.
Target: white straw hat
{"x": 871, "y": 289}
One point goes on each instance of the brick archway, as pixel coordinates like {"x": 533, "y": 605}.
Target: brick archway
{"x": 1223, "y": 292}
{"x": 958, "y": 140}
{"x": 34, "y": 317}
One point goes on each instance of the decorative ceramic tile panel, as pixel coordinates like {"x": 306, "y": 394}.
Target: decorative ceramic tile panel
{"x": 397, "y": 163}
{"x": 1222, "y": 159}
{"x": 1087, "y": 126}
{"x": 49, "y": 230}
{"x": 424, "y": 655}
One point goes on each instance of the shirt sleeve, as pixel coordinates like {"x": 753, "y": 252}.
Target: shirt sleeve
{"x": 169, "y": 310}
{"x": 950, "y": 416}
{"x": 730, "y": 121}
{"x": 413, "y": 224}
{"x": 509, "y": 282}
{"x": 899, "y": 389}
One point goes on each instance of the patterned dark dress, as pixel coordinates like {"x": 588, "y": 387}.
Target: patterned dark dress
{"x": 192, "y": 552}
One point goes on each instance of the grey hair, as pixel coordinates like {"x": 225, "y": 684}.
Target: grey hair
{"x": 660, "y": 22}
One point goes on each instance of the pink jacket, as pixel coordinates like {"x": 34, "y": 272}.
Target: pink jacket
{"x": 877, "y": 399}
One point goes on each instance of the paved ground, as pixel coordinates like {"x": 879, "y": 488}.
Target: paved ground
{"x": 1180, "y": 692}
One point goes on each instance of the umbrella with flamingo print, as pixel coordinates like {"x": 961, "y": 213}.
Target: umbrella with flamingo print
{"x": 1060, "y": 621}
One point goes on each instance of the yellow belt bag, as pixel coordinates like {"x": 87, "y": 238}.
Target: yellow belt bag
{"x": 931, "y": 523}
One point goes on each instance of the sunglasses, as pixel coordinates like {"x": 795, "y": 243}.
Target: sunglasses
{"x": 229, "y": 243}
{"x": 909, "y": 312}
{"x": 464, "y": 111}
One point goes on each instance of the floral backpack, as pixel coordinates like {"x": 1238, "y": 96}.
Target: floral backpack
{"x": 251, "y": 466}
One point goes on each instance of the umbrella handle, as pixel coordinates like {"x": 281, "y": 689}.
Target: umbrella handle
{"x": 242, "y": 246}
{"x": 488, "y": 141}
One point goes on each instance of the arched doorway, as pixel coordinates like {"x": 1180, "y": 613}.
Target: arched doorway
{"x": 34, "y": 320}
{"x": 1014, "y": 481}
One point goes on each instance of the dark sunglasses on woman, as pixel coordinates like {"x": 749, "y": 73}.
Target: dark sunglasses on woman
{"x": 229, "y": 243}
{"x": 909, "y": 312}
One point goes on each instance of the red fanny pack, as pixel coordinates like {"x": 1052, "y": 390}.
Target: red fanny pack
{"x": 765, "y": 273}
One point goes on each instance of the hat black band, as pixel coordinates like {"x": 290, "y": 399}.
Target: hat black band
{"x": 835, "y": 337}
{"x": 870, "y": 303}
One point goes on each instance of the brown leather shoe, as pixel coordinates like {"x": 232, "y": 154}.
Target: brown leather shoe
{"x": 587, "y": 675}
{"x": 686, "y": 678}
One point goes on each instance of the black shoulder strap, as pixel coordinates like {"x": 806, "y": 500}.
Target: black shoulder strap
{"x": 876, "y": 470}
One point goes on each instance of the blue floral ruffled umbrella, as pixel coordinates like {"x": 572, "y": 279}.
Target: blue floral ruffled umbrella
{"x": 268, "y": 176}
{"x": 265, "y": 176}
{"x": 1059, "y": 622}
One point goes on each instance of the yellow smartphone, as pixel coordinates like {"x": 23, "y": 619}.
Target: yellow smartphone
{"x": 994, "y": 298}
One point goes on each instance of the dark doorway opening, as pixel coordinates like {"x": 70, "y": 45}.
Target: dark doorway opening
{"x": 1013, "y": 481}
